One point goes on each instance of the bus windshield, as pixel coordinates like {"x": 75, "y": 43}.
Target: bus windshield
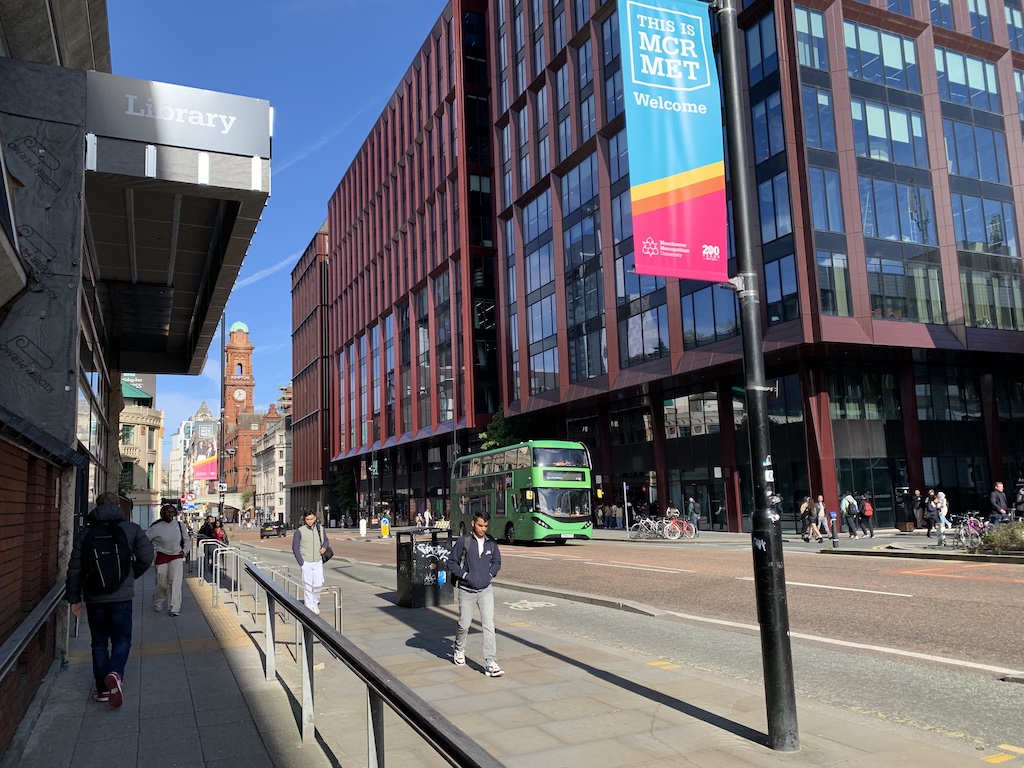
{"x": 562, "y": 502}
{"x": 559, "y": 457}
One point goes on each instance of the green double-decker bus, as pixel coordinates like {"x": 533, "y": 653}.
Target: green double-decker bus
{"x": 534, "y": 491}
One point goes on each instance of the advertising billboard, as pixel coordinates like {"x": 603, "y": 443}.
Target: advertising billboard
{"x": 674, "y": 129}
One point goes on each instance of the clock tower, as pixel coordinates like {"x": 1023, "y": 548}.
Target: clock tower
{"x": 238, "y": 380}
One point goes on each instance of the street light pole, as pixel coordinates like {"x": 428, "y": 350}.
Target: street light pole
{"x": 766, "y": 535}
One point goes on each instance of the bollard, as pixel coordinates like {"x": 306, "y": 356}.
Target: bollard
{"x": 362, "y": 527}
{"x": 385, "y": 528}
{"x": 835, "y": 533}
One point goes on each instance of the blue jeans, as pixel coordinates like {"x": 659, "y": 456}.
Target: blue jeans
{"x": 111, "y": 627}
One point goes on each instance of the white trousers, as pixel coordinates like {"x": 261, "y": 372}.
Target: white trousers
{"x": 312, "y": 580}
{"x": 168, "y": 585}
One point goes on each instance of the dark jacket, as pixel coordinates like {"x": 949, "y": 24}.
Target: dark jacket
{"x": 998, "y": 501}
{"x": 479, "y": 569}
{"x": 142, "y": 550}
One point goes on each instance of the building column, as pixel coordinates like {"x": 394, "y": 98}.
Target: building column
{"x": 730, "y": 468}
{"x": 990, "y": 416}
{"x": 818, "y": 437}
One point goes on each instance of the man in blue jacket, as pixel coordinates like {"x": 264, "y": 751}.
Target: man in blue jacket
{"x": 474, "y": 561}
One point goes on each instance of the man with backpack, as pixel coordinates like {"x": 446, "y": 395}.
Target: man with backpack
{"x": 108, "y": 554}
{"x": 474, "y": 562}
{"x": 848, "y": 506}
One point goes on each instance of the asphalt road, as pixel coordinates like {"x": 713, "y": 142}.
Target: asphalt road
{"x": 919, "y": 644}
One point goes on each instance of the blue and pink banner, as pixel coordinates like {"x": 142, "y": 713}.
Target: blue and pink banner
{"x": 674, "y": 128}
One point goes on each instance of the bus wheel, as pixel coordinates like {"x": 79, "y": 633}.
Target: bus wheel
{"x": 510, "y": 533}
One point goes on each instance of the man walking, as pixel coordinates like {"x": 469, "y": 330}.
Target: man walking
{"x": 1000, "y": 509}
{"x": 108, "y": 554}
{"x": 474, "y": 562}
{"x": 848, "y": 506}
{"x": 308, "y": 545}
{"x": 169, "y": 539}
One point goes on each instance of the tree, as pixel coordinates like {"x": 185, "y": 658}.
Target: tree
{"x": 345, "y": 491}
{"x": 500, "y": 432}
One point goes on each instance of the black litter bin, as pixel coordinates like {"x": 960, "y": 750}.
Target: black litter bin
{"x": 421, "y": 557}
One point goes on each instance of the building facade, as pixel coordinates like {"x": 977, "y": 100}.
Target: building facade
{"x": 272, "y": 469}
{"x": 481, "y": 255}
{"x": 141, "y": 426}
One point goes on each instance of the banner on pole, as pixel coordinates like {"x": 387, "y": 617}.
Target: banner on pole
{"x": 674, "y": 128}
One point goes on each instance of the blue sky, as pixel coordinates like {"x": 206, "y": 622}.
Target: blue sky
{"x": 327, "y": 67}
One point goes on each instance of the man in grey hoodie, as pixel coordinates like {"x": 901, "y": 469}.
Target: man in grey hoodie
{"x": 109, "y": 612}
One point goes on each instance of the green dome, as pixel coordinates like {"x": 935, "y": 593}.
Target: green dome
{"x": 239, "y": 327}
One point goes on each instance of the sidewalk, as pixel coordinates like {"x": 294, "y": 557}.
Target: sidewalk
{"x": 195, "y": 695}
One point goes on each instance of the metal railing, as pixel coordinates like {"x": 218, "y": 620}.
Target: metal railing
{"x": 299, "y": 587}
{"x": 449, "y": 741}
{"x": 20, "y": 639}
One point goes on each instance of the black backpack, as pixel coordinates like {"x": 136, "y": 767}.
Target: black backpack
{"x": 106, "y": 557}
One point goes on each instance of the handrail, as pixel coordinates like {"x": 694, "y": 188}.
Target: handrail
{"x": 19, "y": 640}
{"x": 449, "y": 741}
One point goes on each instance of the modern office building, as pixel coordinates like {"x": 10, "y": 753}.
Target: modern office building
{"x": 480, "y": 255}
{"x": 122, "y": 231}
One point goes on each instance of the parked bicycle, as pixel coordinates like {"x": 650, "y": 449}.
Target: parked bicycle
{"x": 968, "y": 530}
{"x": 672, "y": 528}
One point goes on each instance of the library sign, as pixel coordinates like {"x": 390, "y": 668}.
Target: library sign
{"x": 676, "y": 156}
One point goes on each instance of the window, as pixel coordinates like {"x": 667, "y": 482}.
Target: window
{"x": 905, "y": 290}
{"x": 585, "y": 64}
{"x": 976, "y": 152}
{"x": 854, "y": 393}
{"x": 902, "y": 7}
{"x": 942, "y": 13}
{"x": 834, "y": 283}
{"x": 881, "y": 57}
{"x": 588, "y": 118}
{"x": 811, "y": 47}
{"x": 762, "y": 56}
{"x": 618, "y": 156}
{"x": 982, "y": 225}
{"x": 773, "y": 203}
{"x": 967, "y": 80}
{"x": 544, "y": 371}
{"x": 614, "y": 102}
{"x": 826, "y": 200}
{"x": 588, "y": 355}
{"x": 564, "y": 139}
{"x": 127, "y": 434}
{"x": 643, "y": 337}
{"x": 709, "y": 315}
{"x": 901, "y": 212}
{"x": 780, "y": 290}
{"x": 819, "y": 124}
{"x": 766, "y": 117}
{"x": 630, "y": 285}
{"x": 541, "y": 320}
{"x": 610, "y": 42}
{"x": 890, "y": 134}
{"x": 981, "y": 25}
{"x": 992, "y": 299}
{"x": 149, "y": 476}
{"x": 579, "y": 185}
{"x": 1014, "y": 23}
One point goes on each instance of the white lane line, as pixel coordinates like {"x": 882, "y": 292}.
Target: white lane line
{"x": 640, "y": 568}
{"x": 861, "y": 646}
{"x": 826, "y": 586}
{"x": 527, "y": 557}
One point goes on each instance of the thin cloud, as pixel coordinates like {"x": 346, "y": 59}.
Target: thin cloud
{"x": 304, "y": 153}
{"x": 284, "y": 263}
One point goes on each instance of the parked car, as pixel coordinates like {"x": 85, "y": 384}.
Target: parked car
{"x": 271, "y": 529}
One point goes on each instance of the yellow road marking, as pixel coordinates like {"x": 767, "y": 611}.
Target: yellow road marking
{"x": 658, "y": 663}
{"x": 1000, "y": 758}
{"x": 1011, "y": 748}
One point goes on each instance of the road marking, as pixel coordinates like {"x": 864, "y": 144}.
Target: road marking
{"x": 825, "y": 586}
{"x": 527, "y": 605}
{"x": 639, "y": 567}
{"x": 995, "y": 759}
{"x": 663, "y": 665}
{"x": 851, "y": 644}
{"x": 527, "y": 557}
{"x": 1011, "y": 748}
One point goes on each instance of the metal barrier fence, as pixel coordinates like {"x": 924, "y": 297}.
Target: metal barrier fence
{"x": 449, "y": 741}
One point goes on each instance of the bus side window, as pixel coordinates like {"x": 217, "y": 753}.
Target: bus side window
{"x": 524, "y": 457}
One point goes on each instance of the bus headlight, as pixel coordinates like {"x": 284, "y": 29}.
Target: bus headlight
{"x": 541, "y": 523}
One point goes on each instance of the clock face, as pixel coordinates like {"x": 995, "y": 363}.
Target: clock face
{"x": 239, "y": 395}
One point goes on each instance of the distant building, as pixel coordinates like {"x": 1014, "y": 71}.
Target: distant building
{"x": 141, "y": 427}
{"x": 272, "y": 468}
